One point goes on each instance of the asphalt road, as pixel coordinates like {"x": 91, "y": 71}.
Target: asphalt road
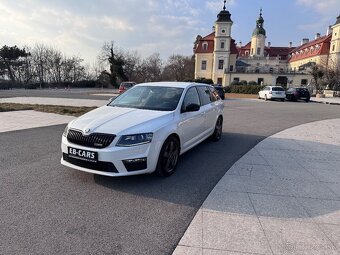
{"x": 49, "y": 209}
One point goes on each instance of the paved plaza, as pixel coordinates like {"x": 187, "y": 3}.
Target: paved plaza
{"x": 282, "y": 197}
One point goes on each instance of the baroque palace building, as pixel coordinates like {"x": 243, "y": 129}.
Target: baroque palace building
{"x": 217, "y": 56}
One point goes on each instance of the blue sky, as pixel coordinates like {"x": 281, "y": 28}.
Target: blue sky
{"x": 80, "y": 27}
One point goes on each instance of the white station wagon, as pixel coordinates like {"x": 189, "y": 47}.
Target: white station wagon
{"x": 272, "y": 92}
{"x": 143, "y": 130}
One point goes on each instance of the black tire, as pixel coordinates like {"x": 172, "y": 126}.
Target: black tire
{"x": 307, "y": 100}
{"x": 294, "y": 99}
{"x": 282, "y": 99}
{"x": 216, "y": 136}
{"x": 265, "y": 98}
{"x": 168, "y": 157}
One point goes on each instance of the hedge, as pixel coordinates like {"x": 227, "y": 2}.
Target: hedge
{"x": 243, "y": 89}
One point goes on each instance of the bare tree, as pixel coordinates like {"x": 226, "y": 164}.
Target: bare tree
{"x": 114, "y": 56}
{"x": 179, "y": 68}
{"x": 151, "y": 68}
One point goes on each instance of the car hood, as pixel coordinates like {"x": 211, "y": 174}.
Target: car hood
{"x": 118, "y": 120}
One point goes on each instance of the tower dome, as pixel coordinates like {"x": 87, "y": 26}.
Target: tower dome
{"x": 259, "y": 30}
{"x": 224, "y": 15}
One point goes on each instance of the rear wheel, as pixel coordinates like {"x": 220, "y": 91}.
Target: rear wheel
{"x": 168, "y": 157}
{"x": 307, "y": 100}
{"x": 282, "y": 99}
{"x": 216, "y": 136}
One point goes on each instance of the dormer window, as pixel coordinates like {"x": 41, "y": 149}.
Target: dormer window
{"x": 205, "y": 46}
{"x": 317, "y": 46}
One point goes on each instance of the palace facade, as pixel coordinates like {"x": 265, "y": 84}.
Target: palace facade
{"x": 219, "y": 58}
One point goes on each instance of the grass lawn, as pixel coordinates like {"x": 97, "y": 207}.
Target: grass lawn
{"x": 64, "y": 110}
{"x": 236, "y": 95}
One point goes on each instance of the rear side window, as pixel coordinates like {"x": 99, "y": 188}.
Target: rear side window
{"x": 214, "y": 95}
{"x": 278, "y": 89}
{"x": 204, "y": 93}
{"x": 191, "y": 97}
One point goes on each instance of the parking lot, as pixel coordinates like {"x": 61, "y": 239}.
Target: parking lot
{"x": 49, "y": 209}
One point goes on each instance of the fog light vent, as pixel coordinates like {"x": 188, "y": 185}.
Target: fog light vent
{"x": 135, "y": 164}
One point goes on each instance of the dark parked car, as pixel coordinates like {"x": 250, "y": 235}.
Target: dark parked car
{"x": 124, "y": 86}
{"x": 220, "y": 90}
{"x": 294, "y": 94}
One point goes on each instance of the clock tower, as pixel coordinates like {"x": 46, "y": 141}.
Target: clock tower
{"x": 222, "y": 40}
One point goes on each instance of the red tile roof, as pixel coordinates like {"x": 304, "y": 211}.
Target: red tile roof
{"x": 283, "y": 52}
{"x": 233, "y": 48}
{"x": 310, "y": 49}
{"x": 209, "y": 39}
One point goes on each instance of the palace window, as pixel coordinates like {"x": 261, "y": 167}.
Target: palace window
{"x": 204, "y": 65}
{"x": 258, "y": 51}
{"x": 220, "y": 64}
{"x": 222, "y": 45}
{"x": 304, "y": 82}
{"x": 231, "y": 68}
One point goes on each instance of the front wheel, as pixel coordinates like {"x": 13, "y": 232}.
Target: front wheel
{"x": 307, "y": 100}
{"x": 216, "y": 136}
{"x": 168, "y": 157}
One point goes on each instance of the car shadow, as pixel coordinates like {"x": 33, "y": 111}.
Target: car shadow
{"x": 297, "y": 184}
{"x": 197, "y": 173}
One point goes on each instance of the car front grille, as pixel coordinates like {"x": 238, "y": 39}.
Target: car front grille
{"x": 95, "y": 140}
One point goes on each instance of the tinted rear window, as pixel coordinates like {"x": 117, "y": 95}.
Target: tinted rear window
{"x": 278, "y": 89}
{"x": 302, "y": 89}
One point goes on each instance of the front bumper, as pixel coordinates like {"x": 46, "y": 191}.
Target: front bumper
{"x": 111, "y": 159}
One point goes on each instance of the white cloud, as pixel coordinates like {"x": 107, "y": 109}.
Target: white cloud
{"x": 80, "y": 27}
{"x": 326, "y": 12}
{"x": 324, "y": 7}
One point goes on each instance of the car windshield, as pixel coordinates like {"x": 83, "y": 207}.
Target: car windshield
{"x": 278, "y": 89}
{"x": 150, "y": 98}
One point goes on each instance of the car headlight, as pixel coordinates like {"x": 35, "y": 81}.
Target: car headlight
{"x": 134, "y": 140}
{"x": 65, "y": 131}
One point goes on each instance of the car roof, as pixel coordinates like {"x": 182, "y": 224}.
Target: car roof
{"x": 171, "y": 84}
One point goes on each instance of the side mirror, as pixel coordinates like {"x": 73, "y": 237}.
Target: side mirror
{"x": 192, "y": 108}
